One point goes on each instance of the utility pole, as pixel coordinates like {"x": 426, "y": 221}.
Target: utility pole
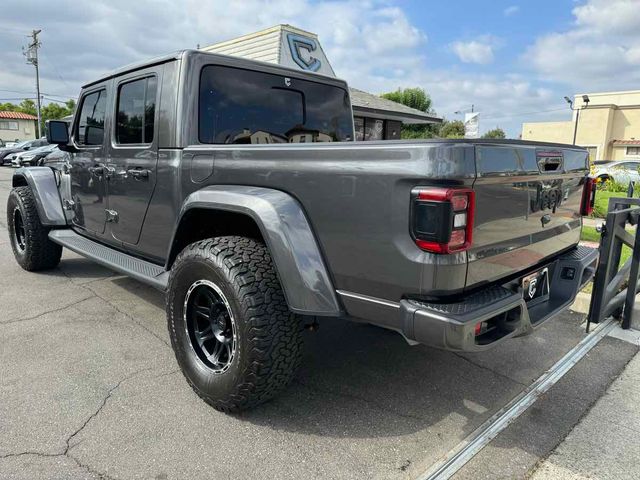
{"x": 32, "y": 57}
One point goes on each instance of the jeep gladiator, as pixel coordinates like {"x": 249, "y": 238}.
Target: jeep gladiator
{"x": 237, "y": 188}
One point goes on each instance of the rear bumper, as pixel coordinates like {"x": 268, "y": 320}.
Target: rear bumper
{"x": 452, "y": 326}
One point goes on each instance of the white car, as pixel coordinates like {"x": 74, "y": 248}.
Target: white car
{"x": 624, "y": 171}
{"x": 31, "y": 157}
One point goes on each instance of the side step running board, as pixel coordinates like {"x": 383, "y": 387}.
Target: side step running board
{"x": 141, "y": 270}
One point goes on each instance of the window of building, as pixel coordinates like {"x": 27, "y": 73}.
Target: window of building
{"x": 8, "y": 125}
{"x": 242, "y": 106}
{"x": 593, "y": 151}
{"x": 90, "y": 130}
{"x": 358, "y": 125}
{"x": 633, "y": 151}
{"x": 373, "y": 129}
{"x": 136, "y": 111}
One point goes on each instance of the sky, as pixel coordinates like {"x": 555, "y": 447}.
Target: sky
{"x": 514, "y": 61}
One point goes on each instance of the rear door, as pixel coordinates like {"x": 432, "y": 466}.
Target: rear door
{"x": 88, "y": 162}
{"x": 527, "y": 207}
{"x": 133, "y": 153}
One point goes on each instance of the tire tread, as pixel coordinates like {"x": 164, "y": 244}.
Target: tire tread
{"x": 274, "y": 332}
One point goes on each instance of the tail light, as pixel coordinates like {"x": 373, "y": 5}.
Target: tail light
{"x": 588, "y": 196}
{"x": 442, "y": 218}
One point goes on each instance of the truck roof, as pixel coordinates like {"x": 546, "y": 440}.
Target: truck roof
{"x": 226, "y": 59}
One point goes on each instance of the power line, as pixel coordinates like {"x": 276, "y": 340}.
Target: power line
{"x": 523, "y": 113}
{"x": 53, "y": 64}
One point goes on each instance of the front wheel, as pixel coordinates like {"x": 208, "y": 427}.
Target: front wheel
{"x": 29, "y": 238}
{"x": 233, "y": 335}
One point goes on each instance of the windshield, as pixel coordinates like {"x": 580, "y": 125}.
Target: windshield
{"x": 24, "y": 143}
{"x": 243, "y": 106}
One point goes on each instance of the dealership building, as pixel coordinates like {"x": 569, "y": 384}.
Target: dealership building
{"x": 607, "y": 124}
{"x": 375, "y": 118}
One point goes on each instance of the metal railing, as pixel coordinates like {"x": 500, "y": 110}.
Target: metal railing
{"x": 615, "y": 286}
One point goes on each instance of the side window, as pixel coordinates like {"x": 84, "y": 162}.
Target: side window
{"x": 136, "y": 111}
{"x": 91, "y": 121}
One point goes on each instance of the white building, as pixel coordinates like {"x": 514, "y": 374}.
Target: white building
{"x": 17, "y": 126}
{"x": 375, "y": 118}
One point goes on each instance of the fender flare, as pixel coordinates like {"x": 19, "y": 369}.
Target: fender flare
{"x": 296, "y": 254}
{"x": 43, "y": 184}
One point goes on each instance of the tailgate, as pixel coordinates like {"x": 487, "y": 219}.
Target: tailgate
{"x": 527, "y": 207}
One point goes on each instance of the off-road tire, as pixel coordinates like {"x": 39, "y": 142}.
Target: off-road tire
{"x": 36, "y": 252}
{"x": 269, "y": 335}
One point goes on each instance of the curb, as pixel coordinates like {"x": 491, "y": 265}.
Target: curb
{"x": 581, "y": 303}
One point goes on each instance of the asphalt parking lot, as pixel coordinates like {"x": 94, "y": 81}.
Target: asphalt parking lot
{"x": 89, "y": 388}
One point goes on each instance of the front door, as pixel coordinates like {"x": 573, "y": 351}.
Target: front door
{"x": 88, "y": 162}
{"x": 133, "y": 154}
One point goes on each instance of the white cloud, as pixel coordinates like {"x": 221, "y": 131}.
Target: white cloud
{"x": 373, "y": 44}
{"x": 511, "y": 10}
{"x": 474, "y": 51}
{"x": 601, "y": 51}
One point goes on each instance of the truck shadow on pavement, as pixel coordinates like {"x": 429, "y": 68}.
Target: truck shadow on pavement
{"x": 361, "y": 381}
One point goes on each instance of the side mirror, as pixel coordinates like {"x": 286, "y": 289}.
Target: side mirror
{"x": 57, "y": 132}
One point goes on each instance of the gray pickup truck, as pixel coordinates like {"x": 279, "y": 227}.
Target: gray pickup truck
{"x": 237, "y": 188}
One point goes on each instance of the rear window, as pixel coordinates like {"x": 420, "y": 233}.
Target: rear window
{"x": 242, "y": 106}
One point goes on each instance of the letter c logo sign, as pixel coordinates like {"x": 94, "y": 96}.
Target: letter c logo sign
{"x": 297, "y": 43}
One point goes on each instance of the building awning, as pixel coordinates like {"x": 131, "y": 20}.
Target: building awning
{"x": 368, "y": 105}
{"x": 17, "y": 116}
{"x": 625, "y": 143}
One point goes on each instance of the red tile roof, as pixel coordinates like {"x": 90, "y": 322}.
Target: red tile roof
{"x": 18, "y": 116}
{"x": 626, "y": 142}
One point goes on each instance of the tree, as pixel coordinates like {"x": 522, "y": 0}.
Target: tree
{"x": 415, "y": 98}
{"x": 411, "y": 97}
{"x": 28, "y": 106}
{"x": 50, "y": 111}
{"x": 495, "y": 133}
{"x": 451, "y": 129}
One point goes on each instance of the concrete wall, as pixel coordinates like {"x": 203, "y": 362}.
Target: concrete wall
{"x": 26, "y": 130}
{"x": 557, "y": 132}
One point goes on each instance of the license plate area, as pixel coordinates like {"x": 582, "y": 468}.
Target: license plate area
{"x": 535, "y": 287}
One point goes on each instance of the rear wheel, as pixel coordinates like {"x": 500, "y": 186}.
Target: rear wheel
{"x": 232, "y": 332}
{"x": 29, "y": 238}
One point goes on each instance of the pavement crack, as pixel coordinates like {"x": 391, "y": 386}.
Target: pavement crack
{"x": 29, "y": 452}
{"x": 369, "y": 402}
{"x": 101, "y": 475}
{"x": 60, "y": 309}
{"x": 126, "y": 314}
{"x": 99, "y": 409}
{"x": 501, "y": 375}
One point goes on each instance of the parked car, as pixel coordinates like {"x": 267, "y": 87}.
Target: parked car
{"x": 32, "y": 157}
{"x": 5, "y": 153}
{"x": 456, "y": 244}
{"x": 623, "y": 171}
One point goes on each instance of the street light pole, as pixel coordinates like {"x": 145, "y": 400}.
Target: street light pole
{"x": 32, "y": 57}
{"x": 575, "y": 128}
{"x": 585, "y": 100}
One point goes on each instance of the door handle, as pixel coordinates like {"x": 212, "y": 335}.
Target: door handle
{"x": 139, "y": 173}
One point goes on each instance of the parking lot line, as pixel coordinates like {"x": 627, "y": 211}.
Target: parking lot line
{"x": 479, "y": 438}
